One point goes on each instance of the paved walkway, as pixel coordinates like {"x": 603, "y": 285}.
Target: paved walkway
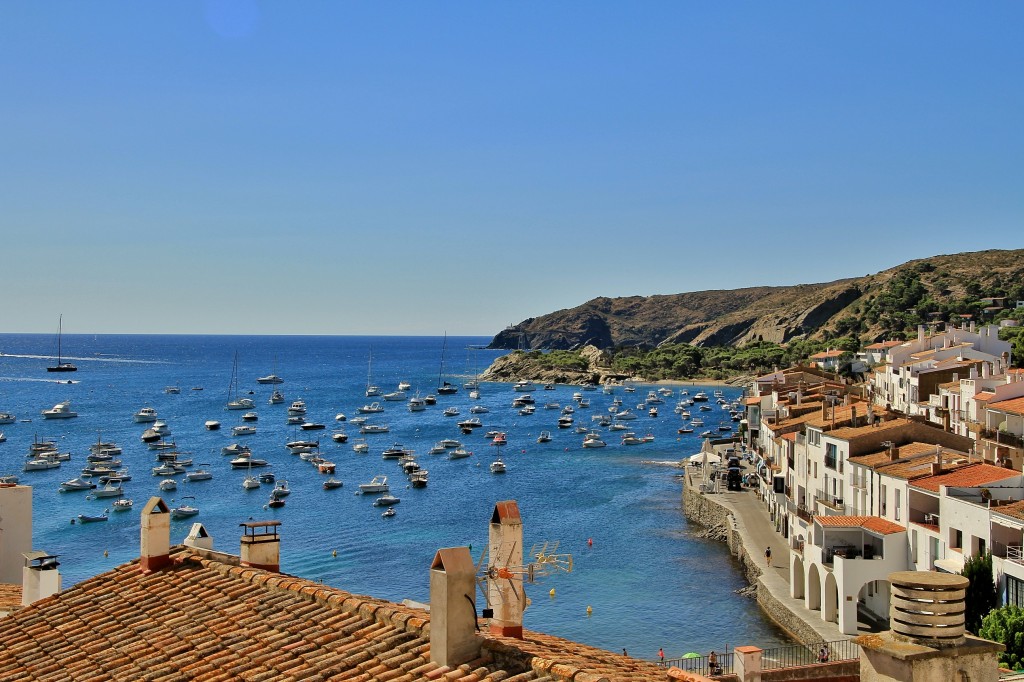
{"x": 757, "y": 532}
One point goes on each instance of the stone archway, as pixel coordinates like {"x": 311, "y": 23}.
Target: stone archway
{"x": 813, "y": 597}
{"x": 830, "y": 597}
{"x": 796, "y": 578}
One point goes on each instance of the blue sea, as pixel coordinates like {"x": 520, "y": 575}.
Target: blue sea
{"x": 649, "y": 582}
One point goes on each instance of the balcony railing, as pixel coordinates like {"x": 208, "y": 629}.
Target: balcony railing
{"x": 799, "y": 654}
{"x": 1015, "y": 553}
{"x": 1003, "y": 438}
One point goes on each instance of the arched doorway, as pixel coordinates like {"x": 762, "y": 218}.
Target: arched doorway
{"x": 830, "y": 612}
{"x": 813, "y": 588}
{"x": 873, "y": 606}
{"x": 796, "y": 578}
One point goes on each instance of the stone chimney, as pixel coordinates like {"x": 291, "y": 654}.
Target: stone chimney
{"x": 261, "y": 545}
{"x": 985, "y": 372}
{"x": 505, "y": 593}
{"x": 937, "y": 464}
{"x": 894, "y": 450}
{"x": 155, "y": 545}
{"x": 853, "y": 416}
{"x": 928, "y": 640}
{"x": 453, "y": 639}
{"x": 973, "y": 372}
{"x": 920, "y": 333}
{"x": 40, "y": 577}
{"x": 198, "y": 537}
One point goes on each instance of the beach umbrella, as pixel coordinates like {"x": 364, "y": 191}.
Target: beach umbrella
{"x": 690, "y": 654}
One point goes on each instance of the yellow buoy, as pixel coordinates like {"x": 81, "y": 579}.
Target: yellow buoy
{"x": 589, "y": 611}
{"x": 334, "y": 553}
{"x": 552, "y": 593}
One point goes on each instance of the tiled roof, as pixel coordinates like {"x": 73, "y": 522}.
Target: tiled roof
{"x": 825, "y": 354}
{"x": 984, "y": 396}
{"x": 10, "y": 597}
{"x": 789, "y": 436}
{"x": 839, "y": 415}
{"x": 919, "y": 464}
{"x": 882, "y": 345}
{"x": 1014, "y": 510}
{"x": 202, "y": 619}
{"x": 1013, "y": 405}
{"x": 969, "y": 476}
{"x": 880, "y": 458}
{"x": 875, "y": 524}
{"x": 851, "y": 432}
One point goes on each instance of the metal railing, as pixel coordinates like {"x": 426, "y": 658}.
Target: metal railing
{"x": 701, "y": 664}
{"x": 799, "y": 654}
{"x": 1015, "y": 553}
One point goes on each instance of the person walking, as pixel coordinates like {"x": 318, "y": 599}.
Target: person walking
{"x": 768, "y": 556}
{"x": 661, "y": 656}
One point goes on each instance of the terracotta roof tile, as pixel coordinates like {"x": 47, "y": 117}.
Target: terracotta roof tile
{"x": 1014, "y": 510}
{"x": 206, "y": 620}
{"x": 1013, "y": 405}
{"x": 875, "y": 524}
{"x": 969, "y": 476}
{"x": 851, "y": 432}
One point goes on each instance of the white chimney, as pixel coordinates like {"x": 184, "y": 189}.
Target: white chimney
{"x": 920, "y": 332}
{"x": 261, "y": 545}
{"x": 155, "y": 545}
{"x": 984, "y": 370}
{"x": 453, "y": 639}
{"x": 40, "y": 577}
{"x": 15, "y": 530}
{"x": 198, "y": 537}
{"x": 505, "y": 592}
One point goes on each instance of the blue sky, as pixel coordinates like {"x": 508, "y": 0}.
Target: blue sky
{"x": 415, "y": 168}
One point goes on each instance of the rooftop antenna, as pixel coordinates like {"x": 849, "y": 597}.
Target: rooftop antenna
{"x": 501, "y": 571}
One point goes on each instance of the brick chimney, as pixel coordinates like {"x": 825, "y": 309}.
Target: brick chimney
{"x": 40, "y": 577}
{"x": 453, "y": 639}
{"x": 155, "y": 544}
{"x": 261, "y": 545}
{"x": 505, "y": 592}
{"x": 894, "y": 451}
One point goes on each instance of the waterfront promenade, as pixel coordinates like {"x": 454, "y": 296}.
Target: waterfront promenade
{"x": 753, "y": 531}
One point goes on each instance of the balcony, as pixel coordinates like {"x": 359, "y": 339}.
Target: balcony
{"x": 1002, "y": 438}
{"x": 1015, "y": 553}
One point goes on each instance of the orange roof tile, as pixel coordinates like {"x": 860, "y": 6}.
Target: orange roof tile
{"x": 919, "y": 464}
{"x": 1013, "y": 405}
{"x": 881, "y": 345}
{"x": 875, "y": 524}
{"x": 789, "y": 436}
{"x": 1013, "y": 510}
{"x": 970, "y": 476}
{"x": 204, "y": 619}
{"x": 851, "y": 432}
{"x": 10, "y": 596}
{"x": 984, "y": 396}
{"x": 825, "y": 354}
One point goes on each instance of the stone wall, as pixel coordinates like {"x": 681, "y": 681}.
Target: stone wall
{"x": 841, "y": 671}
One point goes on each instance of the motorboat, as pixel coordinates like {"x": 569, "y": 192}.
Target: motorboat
{"x": 332, "y": 483}
{"x": 565, "y": 421}
{"x": 275, "y": 502}
{"x": 76, "y": 484}
{"x": 243, "y": 430}
{"x": 41, "y": 464}
{"x": 478, "y": 409}
{"x": 386, "y": 501}
{"x": 396, "y": 451}
{"x": 325, "y": 467}
{"x": 296, "y": 420}
{"x": 270, "y": 379}
{"x": 340, "y": 417}
{"x": 497, "y": 466}
{"x": 404, "y": 385}
{"x": 582, "y": 429}
{"x": 212, "y": 425}
{"x": 653, "y": 412}
{"x": 176, "y": 390}
{"x": 409, "y": 465}
{"x": 584, "y": 403}
{"x": 200, "y": 474}
{"x": 361, "y": 446}
{"x": 451, "y": 412}
{"x": 359, "y": 421}
{"x": 459, "y": 453}
{"x": 379, "y": 484}
{"x": 162, "y": 428}
{"x": 471, "y": 423}
{"x": 168, "y": 484}
{"x": 374, "y": 428}
{"x": 568, "y": 409}
{"x": 593, "y": 441}
{"x": 339, "y": 437}
{"x": 436, "y": 449}
{"x": 9, "y": 479}
{"x": 281, "y": 489}
{"x": 631, "y": 439}
{"x": 235, "y": 449}
{"x": 91, "y": 518}
{"x": 250, "y": 417}
{"x": 417, "y": 404}
{"x": 276, "y": 398}
{"x": 267, "y": 477}
{"x": 450, "y": 443}
{"x": 653, "y": 398}
{"x": 185, "y": 509}
{"x": 168, "y": 469}
{"x": 430, "y": 399}
{"x": 685, "y": 429}
{"x": 527, "y": 410}
{"x": 475, "y": 394}
{"x": 544, "y": 437}
{"x": 699, "y": 397}
{"x": 525, "y": 399}
{"x": 245, "y": 462}
{"x": 394, "y": 396}
{"x": 624, "y": 415}
{"x": 240, "y": 404}
{"x": 7, "y": 418}
{"x": 312, "y": 426}
{"x": 549, "y": 387}
{"x": 123, "y": 504}
{"x": 109, "y": 490}
{"x": 388, "y": 513}
{"x": 59, "y": 411}
{"x": 297, "y": 407}
{"x": 372, "y": 408}
{"x": 418, "y": 478}
{"x": 145, "y": 415}
{"x": 552, "y": 406}
{"x": 524, "y": 386}
{"x": 499, "y": 440}
{"x": 250, "y": 482}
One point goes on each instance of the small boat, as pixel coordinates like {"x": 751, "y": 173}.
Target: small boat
{"x": 685, "y": 429}
{"x": 624, "y": 415}
{"x": 631, "y": 439}
{"x": 593, "y": 441}
{"x": 552, "y": 406}
{"x": 340, "y": 417}
{"x": 276, "y": 398}
{"x": 418, "y": 478}
{"x": 450, "y": 443}
{"x": 544, "y": 437}
{"x": 653, "y": 412}
{"x": 394, "y": 396}
{"x": 430, "y": 399}
{"x": 168, "y": 484}
{"x": 168, "y": 469}
{"x": 404, "y": 385}
{"x": 200, "y": 474}
{"x": 478, "y": 409}
{"x": 524, "y": 386}
{"x": 124, "y": 504}
{"x": 564, "y": 422}
{"x": 437, "y": 449}
{"x": 267, "y": 477}
{"x": 145, "y": 415}
{"x": 7, "y": 418}
{"x": 41, "y": 464}
{"x": 417, "y": 404}
{"x": 296, "y": 420}
{"x": 499, "y": 440}
{"x": 59, "y": 411}
{"x": 235, "y": 449}
{"x": 527, "y": 410}
{"x": 325, "y": 467}
{"x": 396, "y": 451}
{"x": 360, "y": 446}
{"x": 386, "y": 501}
{"x": 497, "y": 467}
{"x": 451, "y": 412}
{"x": 332, "y": 483}
{"x": 275, "y": 502}
{"x": 471, "y": 423}
{"x": 250, "y": 417}
{"x": 243, "y": 430}
{"x": 175, "y": 390}
{"x": 459, "y": 453}
{"x": 312, "y": 426}
{"x": 61, "y": 366}
{"x": 246, "y": 462}
{"x": 388, "y": 513}
{"x": 270, "y": 379}
{"x": 76, "y": 484}
{"x": 379, "y": 484}
{"x": 523, "y": 400}
{"x": 374, "y": 428}
{"x": 297, "y": 407}
{"x": 185, "y": 509}
{"x": 339, "y": 437}
{"x": 91, "y": 518}
{"x": 699, "y": 397}
{"x": 212, "y": 425}
{"x": 250, "y": 482}
{"x": 372, "y": 408}
{"x": 109, "y": 490}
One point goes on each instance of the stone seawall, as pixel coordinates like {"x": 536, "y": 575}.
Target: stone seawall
{"x": 719, "y": 524}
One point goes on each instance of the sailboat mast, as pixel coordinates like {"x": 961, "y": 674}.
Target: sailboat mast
{"x": 60, "y": 329}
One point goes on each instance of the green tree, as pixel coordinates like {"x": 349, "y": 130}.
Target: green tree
{"x": 1006, "y": 626}
{"x": 981, "y": 592}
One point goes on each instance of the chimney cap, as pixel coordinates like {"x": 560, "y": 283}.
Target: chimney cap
{"x": 43, "y": 560}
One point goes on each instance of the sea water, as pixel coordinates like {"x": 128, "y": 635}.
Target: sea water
{"x": 648, "y": 581}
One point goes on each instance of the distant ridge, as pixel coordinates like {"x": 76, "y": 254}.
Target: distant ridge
{"x": 926, "y": 290}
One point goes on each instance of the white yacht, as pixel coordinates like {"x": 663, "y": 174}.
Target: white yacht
{"x": 404, "y": 385}
{"x": 394, "y": 396}
{"x": 276, "y": 398}
{"x": 7, "y": 418}
{"x": 371, "y": 408}
{"x": 297, "y": 407}
{"x": 497, "y": 466}
{"x": 243, "y": 430}
{"x": 379, "y": 484}
{"x": 593, "y": 441}
{"x": 270, "y": 379}
{"x": 145, "y": 415}
{"x": 524, "y": 386}
{"x": 59, "y": 411}
{"x": 417, "y": 404}
{"x": 240, "y": 404}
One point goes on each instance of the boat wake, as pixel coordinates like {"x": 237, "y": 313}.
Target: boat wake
{"x": 105, "y": 358}
{"x": 43, "y": 381}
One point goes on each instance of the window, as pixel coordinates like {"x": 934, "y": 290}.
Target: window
{"x": 958, "y": 538}
{"x": 1014, "y": 591}
{"x": 830, "y": 456}
{"x": 897, "y": 500}
{"x": 813, "y": 437}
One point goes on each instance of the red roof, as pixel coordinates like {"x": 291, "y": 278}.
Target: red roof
{"x": 875, "y": 524}
{"x": 789, "y": 436}
{"x": 1013, "y": 405}
{"x": 970, "y": 476}
{"x": 827, "y": 354}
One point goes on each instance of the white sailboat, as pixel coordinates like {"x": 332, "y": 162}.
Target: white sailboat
{"x": 234, "y": 402}
{"x": 371, "y": 390}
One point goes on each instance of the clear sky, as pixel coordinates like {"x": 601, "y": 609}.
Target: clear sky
{"x": 413, "y": 168}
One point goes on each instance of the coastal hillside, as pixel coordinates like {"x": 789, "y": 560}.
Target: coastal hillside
{"x": 888, "y": 304}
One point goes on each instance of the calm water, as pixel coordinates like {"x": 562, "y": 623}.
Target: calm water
{"x": 649, "y": 582}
